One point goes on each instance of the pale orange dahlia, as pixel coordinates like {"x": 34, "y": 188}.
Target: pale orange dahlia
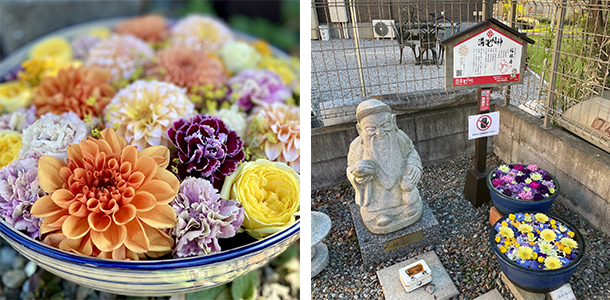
{"x": 72, "y": 90}
{"x": 109, "y": 201}
{"x": 186, "y": 67}
{"x": 275, "y": 127}
{"x": 151, "y": 28}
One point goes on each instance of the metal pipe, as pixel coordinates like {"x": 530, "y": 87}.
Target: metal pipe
{"x": 555, "y": 63}
{"x": 357, "y": 44}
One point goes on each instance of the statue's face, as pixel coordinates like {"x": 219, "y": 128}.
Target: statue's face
{"x": 377, "y": 125}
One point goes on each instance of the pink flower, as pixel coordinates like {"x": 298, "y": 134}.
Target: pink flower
{"x": 533, "y": 168}
{"x": 519, "y": 167}
{"x": 535, "y": 185}
{"x": 508, "y": 179}
{"x": 526, "y": 195}
{"x": 496, "y": 182}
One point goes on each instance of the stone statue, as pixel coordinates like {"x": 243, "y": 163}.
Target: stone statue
{"x": 384, "y": 169}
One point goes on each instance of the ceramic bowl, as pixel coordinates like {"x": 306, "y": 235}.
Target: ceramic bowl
{"x": 507, "y": 205}
{"x": 538, "y": 281}
{"x": 154, "y": 277}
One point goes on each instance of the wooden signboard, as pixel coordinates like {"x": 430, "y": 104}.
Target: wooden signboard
{"x": 488, "y": 54}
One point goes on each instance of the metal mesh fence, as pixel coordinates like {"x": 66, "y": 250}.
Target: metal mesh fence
{"x": 356, "y": 55}
{"x": 383, "y": 49}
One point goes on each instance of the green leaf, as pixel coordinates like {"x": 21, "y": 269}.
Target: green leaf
{"x": 244, "y": 287}
{"x": 206, "y": 294}
{"x": 224, "y": 294}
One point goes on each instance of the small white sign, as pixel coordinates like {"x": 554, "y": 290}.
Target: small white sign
{"x": 563, "y": 293}
{"x": 483, "y": 125}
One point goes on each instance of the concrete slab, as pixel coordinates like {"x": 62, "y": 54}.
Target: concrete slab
{"x": 376, "y": 248}
{"x": 394, "y": 290}
{"x": 519, "y": 293}
{"x": 491, "y": 295}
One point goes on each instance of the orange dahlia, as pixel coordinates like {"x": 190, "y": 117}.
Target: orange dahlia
{"x": 82, "y": 90}
{"x": 151, "y": 28}
{"x": 109, "y": 201}
{"x": 186, "y": 67}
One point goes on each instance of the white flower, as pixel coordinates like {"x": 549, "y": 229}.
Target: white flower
{"x": 238, "y": 56}
{"x": 233, "y": 118}
{"x": 52, "y": 134}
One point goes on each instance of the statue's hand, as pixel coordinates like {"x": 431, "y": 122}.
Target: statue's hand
{"x": 364, "y": 171}
{"x": 414, "y": 175}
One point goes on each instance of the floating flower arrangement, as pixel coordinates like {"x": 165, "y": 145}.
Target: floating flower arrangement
{"x": 523, "y": 182}
{"x": 153, "y": 139}
{"x": 536, "y": 241}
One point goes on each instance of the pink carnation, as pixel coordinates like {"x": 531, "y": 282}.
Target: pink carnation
{"x": 526, "y": 195}
{"x": 508, "y": 179}
{"x": 533, "y": 168}
{"x": 535, "y": 185}
{"x": 496, "y": 182}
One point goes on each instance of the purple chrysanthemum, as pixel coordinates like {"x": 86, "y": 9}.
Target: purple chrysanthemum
{"x": 19, "y": 189}
{"x": 253, "y": 87}
{"x": 206, "y": 148}
{"x": 203, "y": 218}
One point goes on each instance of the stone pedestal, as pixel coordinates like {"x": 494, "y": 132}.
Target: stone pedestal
{"x": 491, "y": 295}
{"x": 394, "y": 290}
{"x": 319, "y": 259}
{"x": 382, "y": 247}
{"x": 562, "y": 293}
{"x": 320, "y": 227}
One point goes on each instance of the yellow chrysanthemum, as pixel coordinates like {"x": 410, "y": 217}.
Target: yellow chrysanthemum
{"x": 14, "y": 95}
{"x": 506, "y": 232}
{"x": 56, "y": 49}
{"x": 525, "y": 252}
{"x": 568, "y": 242}
{"x": 548, "y": 235}
{"x": 552, "y": 263}
{"x": 541, "y": 217}
{"x": 525, "y": 228}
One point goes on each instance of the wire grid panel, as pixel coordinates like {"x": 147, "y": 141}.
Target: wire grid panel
{"x": 569, "y": 77}
{"x": 354, "y": 57}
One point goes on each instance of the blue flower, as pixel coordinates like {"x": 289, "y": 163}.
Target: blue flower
{"x": 519, "y": 217}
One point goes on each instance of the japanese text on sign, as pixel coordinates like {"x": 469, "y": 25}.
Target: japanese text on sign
{"x": 485, "y": 98}
{"x": 487, "y": 57}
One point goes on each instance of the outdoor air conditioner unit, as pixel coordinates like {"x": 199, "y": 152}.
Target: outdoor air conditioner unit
{"x": 383, "y": 29}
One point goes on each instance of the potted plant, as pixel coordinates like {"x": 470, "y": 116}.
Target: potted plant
{"x": 516, "y": 187}
{"x": 537, "y": 252}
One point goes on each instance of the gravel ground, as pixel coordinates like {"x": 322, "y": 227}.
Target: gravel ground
{"x": 280, "y": 280}
{"x": 335, "y": 83}
{"x": 465, "y": 249}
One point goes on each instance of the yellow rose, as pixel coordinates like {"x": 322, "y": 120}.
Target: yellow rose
{"x": 269, "y": 192}
{"x": 57, "y": 49}
{"x": 14, "y": 95}
{"x": 10, "y": 144}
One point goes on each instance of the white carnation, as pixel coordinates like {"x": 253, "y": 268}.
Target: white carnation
{"x": 233, "y": 118}
{"x": 238, "y": 56}
{"x": 52, "y": 134}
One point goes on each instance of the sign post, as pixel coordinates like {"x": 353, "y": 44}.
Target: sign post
{"x": 486, "y": 55}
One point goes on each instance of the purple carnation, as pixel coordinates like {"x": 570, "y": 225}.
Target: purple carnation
{"x": 19, "y": 189}
{"x": 519, "y": 167}
{"x": 82, "y": 45}
{"x": 520, "y": 179}
{"x": 507, "y": 192}
{"x": 203, "y": 218}
{"x": 534, "y": 185}
{"x": 543, "y": 189}
{"x": 526, "y": 195}
{"x": 206, "y": 148}
{"x": 537, "y": 197}
{"x": 508, "y": 179}
{"x": 253, "y": 87}
{"x": 547, "y": 177}
{"x": 498, "y": 173}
